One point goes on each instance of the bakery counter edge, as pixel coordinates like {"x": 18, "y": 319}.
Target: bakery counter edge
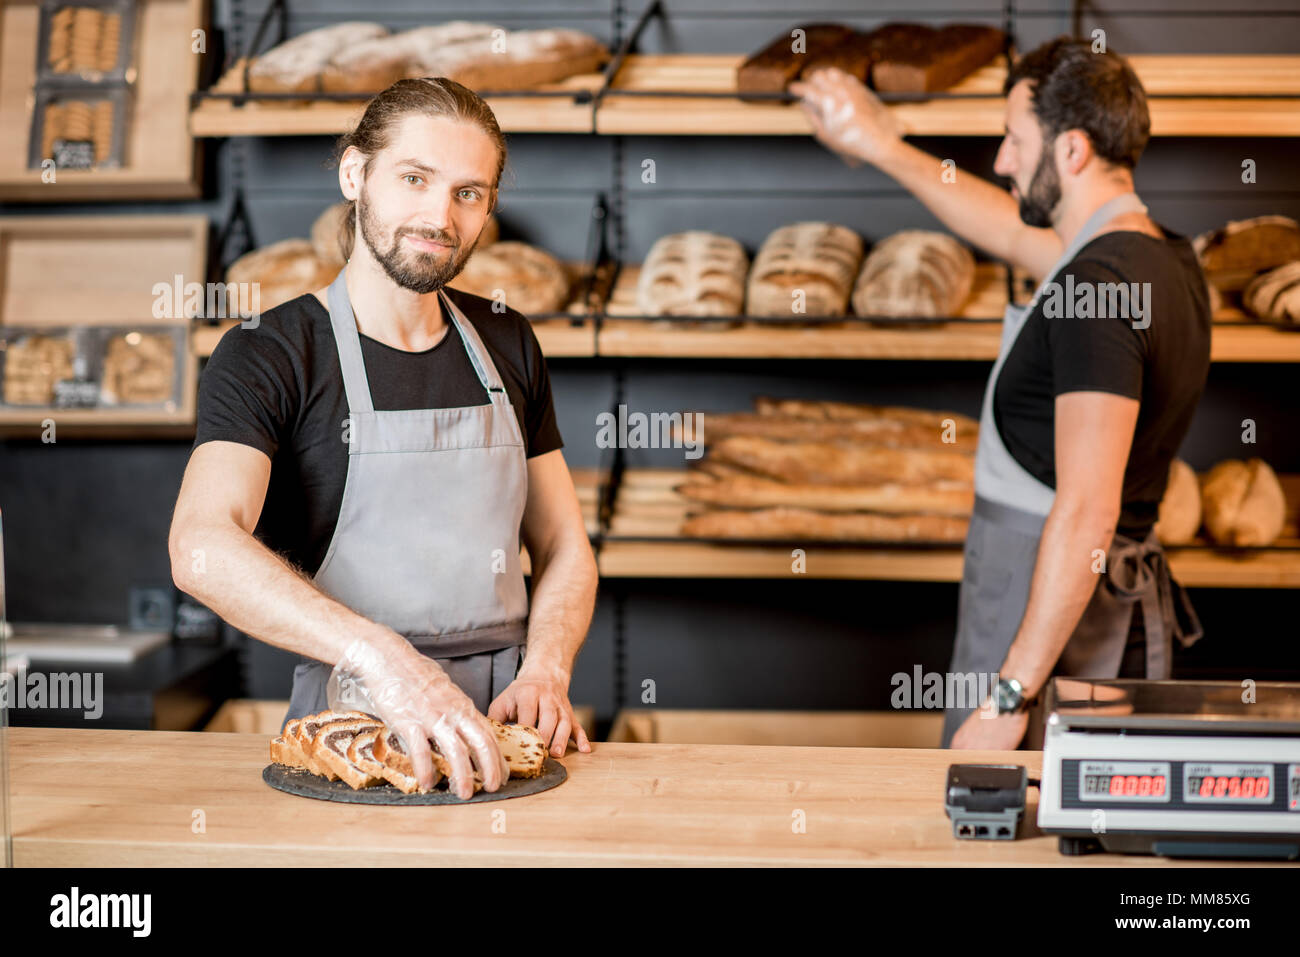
{"x": 149, "y": 798}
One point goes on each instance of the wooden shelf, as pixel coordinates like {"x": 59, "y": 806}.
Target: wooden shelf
{"x": 1236, "y": 337}
{"x": 647, "y": 506}
{"x": 559, "y": 114}
{"x": 162, "y": 161}
{"x": 1206, "y": 78}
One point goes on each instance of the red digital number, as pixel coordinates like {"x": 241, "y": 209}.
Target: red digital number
{"x": 1131, "y": 785}
{"x": 1117, "y": 784}
{"x": 1234, "y": 788}
{"x": 1207, "y": 787}
{"x": 1144, "y": 786}
{"x": 1158, "y": 786}
{"x": 1261, "y": 787}
{"x": 1220, "y": 787}
{"x": 1248, "y": 787}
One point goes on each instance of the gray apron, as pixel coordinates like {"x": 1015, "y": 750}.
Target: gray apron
{"x": 427, "y": 539}
{"x": 1011, "y": 506}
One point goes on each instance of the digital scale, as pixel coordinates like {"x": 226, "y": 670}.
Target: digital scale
{"x": 1174, "y": 768}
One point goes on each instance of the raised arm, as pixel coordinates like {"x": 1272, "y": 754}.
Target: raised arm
{"x": 851, "y": 120}
{"x": 216, "y": 558}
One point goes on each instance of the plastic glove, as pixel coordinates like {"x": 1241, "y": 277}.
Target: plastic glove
{"x": 413, "y": 696}
{"x": 846, "y": 116}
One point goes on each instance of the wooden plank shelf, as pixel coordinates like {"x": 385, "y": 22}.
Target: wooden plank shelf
{"x": 647, "y": 506}
{"x": 515, "y": 114}
{"x": 1216, "y": 96}
{"x": 974, "y": 335}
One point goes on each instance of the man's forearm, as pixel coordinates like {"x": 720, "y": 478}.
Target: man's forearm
{"x": 564, "y": 594}
{"x": 1062, "y": 586}
{"x": 259, "y": 593}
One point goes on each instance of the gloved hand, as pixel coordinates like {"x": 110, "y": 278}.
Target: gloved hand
{"x": 413, "y": 696}
{"x": 846, "y": 116}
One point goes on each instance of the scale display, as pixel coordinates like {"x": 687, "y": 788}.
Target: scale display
{"x": 1124, "y": 781}
{"x": 1227, "y": 783}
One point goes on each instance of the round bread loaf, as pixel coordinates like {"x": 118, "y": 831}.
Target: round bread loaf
{"x": 1180, "y": 509}
{"x": 525, "y": 278}
{"x": 1235, "y": 253}
{"x": 915, "y": 272}
{"x": 1275, "y": 295}
{"x": 694, "y": 273}
{"x": 819, "y": 260}
{"x": 283, "y": 271}
{"x": 1243, "y": 503}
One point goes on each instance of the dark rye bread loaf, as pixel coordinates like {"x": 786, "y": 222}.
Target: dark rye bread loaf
{"x": 771, "y": 68}
{"x": 915, "y": 58}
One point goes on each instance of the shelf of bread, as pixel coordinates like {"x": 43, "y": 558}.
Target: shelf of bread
{"x": 974, "y": 334}
{"x": 94, "y": 320}
{"x": 118, "y": 132}
{"x": 1189, "y": 95}
{"x": 645, "y": 541}
{"x": 568, "y": 110}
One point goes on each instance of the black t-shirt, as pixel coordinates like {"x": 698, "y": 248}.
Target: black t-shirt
{"x": 1164, "y": 366}
{"x": 279, "y": 388}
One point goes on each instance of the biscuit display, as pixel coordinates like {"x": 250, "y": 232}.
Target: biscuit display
{"x": 138, "y": 367}
{"x": 84, "y": 39}
{"x": 32, "y": 367}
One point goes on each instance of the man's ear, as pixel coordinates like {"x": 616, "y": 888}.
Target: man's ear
{"x": 352, "y": 172}
{"x": 1073, "y": 151}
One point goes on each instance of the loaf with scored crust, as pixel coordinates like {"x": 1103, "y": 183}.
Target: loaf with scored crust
{"x": 915, "y": 272}
{"x": 804, "y": 269}
{"x": 694, "y": 273}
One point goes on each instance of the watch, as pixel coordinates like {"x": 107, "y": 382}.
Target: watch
{"x": 1009, "y": 696}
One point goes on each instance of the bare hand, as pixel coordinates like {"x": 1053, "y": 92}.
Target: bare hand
{"x": 539, "y": 698}
{"x": 985, "y": 730}
{"x": 846, "y": 116}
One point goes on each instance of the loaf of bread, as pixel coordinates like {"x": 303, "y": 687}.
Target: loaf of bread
{"x": 693, "y": 274}
{"x": 1243, "y": 503}
{"x": 296, "y": 65}
{"x": 138, "y": 367}
{"x": 842, "y": 463}
{"x": 771, "y": 68}
{"x": 376, "y": 64}
{"x": 1275, "y": 295}
{"x": 1180, "y": 508}
{"x": 1234, "y": 254}
{"x": 831, "y": 411}
{"x": 915, "y": 272}
{"x": 753, "y": 491}
{"x": 915, "y": 58}
{"x": 525, "y": 278}
{"x": 489, "y": 234}
{"x": 360, "y": 750}
{"x": 33, "y": 365}
{"x": 520, "y": 60}
{"x": 284, "y": 270}
{"x": 882, "y": 430}
{"x": 796, "y": 524}
{"x": 804, "y": 269}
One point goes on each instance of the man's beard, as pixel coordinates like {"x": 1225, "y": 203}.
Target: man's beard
{"x": 419, "y": 272}
{"x": 1037, "y": 203}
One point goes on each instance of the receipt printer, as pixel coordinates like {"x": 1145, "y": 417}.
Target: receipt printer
{"x": 985, "y": 801}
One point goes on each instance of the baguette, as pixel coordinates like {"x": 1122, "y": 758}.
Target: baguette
{"x": 802, "y": 523}
{"x": 827, "y": 463}
{"x": 890, "y": 432}
{"x": 942, "y": 498}
{"x": 845, "y": 411}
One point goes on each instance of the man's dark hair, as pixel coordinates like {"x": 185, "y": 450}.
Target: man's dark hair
{"x": 1075, "y": 88}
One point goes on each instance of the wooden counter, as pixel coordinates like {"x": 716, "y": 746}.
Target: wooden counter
{"x": 128, "y": 798}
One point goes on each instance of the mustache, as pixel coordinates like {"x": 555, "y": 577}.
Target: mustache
{"x": 436, "y": 236}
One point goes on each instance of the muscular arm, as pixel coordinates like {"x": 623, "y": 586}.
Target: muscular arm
{"x": 1094, "y": 431}
{"x": 215, "y": 558}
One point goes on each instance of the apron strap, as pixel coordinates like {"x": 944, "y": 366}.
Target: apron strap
{"x": 1139, "y": 571}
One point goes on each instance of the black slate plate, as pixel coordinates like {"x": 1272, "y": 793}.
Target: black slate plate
{"x": 305, "y": 784}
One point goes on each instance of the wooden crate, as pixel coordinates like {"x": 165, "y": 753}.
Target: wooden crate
{"x": 824, "y": 729}
{"x": 162, "y": 162}
{"x": 100, "y": 271}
